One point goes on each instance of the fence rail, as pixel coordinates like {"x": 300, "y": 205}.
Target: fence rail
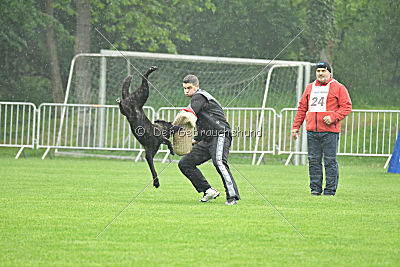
{"x": 85, "y": 127}
{"x": 255, "y": 130}
{"x": 363, "y": 133}
{"x": 17, "y": 125}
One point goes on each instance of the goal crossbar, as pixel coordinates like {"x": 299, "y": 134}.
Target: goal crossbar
{"x": 203, "y": 59}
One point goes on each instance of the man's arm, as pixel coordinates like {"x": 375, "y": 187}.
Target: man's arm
{"x": 197, "y": 103}
{"x": 301, "y": 113}
{"x": 345, "y": 105}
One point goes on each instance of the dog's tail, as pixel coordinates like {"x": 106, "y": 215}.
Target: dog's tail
{"x": 125, "y": 87}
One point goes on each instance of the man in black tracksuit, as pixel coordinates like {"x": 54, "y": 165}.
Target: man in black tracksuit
{"x": 212, "y": 141}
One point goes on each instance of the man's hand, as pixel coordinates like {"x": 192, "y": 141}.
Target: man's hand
{"x": 295, "y": 133}
{"x": 194, "y": 142}
{"x": 327, "y": 120}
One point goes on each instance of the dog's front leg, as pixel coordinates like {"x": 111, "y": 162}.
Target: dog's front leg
{"x": 149, "y": 159}
{"x": 168, "y": 143}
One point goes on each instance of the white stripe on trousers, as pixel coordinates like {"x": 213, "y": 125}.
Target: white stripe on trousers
{"x": 221, "y": 166}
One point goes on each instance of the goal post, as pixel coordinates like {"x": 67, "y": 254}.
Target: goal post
{"x": 235, "y": 82}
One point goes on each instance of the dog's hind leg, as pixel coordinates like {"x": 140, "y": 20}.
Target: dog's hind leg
{"x": 149, "y": 158}
{"x": 146, "y": 75}
{"x": 125, "y": 87}
{"x": 142, "y": 93}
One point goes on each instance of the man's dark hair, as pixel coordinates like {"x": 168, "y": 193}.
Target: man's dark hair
{"x": 191, "y": 79}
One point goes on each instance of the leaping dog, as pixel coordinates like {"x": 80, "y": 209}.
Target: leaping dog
{"x": 150, "y": 135}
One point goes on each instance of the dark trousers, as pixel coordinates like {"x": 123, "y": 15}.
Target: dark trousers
{"x": 217, "y": 149}
{"x": 323, "y": 145}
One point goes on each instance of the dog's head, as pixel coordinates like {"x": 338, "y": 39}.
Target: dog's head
{"x": 167, "y": 127}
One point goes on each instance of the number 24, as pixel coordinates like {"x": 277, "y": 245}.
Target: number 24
{"x": 316, "y": 101}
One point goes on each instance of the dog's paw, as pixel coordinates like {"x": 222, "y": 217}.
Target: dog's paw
{"x": 153, "y": 68}
{"x": 172, "y": 152}
{"x": 156, "y": 183}
{"x": 118, "y": 100}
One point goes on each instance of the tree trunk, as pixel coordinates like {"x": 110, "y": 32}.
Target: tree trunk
{"x": 322, "y": 55}
{"x": 82, "y": 45}
{"x": 82, "y": 70}
{"x": 57, "y": 92}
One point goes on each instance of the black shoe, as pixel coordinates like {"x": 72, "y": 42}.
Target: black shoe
{"x": 315, "y": 193}
{"x": 328, "y": 193}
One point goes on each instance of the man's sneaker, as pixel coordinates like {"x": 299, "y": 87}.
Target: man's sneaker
{"x": 210, "y": 193}
{"x": 231, "y": 201}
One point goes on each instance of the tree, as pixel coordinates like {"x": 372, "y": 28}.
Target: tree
{"x": 25, "y": 73}
{"x": 147, "y": 25}
{"x": 82, "y": 45}
{"x": 320, "y": 30}
{"x": 368, "y": 51}
{"x": 57, "y": 92}
{"x": 254, "y": 29}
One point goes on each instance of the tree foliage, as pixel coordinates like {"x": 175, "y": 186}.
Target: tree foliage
{"x": 359, "y": 37}
{"x": 148, "y": 25}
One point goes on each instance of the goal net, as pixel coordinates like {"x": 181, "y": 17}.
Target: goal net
{"x": 242, "y": 85}
{"x": 235, "y": 82}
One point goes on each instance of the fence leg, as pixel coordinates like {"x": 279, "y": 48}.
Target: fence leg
{"x": 45, "y": 153}
{"x": 253, "y": 161}
{"x": 138, "y": 156}
{"x": 387, "y": 162}
{"x": 260, "y": 158}
{"x": 19, "y": 152}
{"x": 288, "y": 159}
{"x": 165, "y": 157}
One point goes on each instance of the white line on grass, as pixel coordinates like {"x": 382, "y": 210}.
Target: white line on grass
{"x": 266, "y": 200}
{"x": 134, "y": 67}
{"x": 133, "y": 199}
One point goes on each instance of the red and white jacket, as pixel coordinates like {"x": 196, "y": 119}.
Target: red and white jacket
{"x": 320, "y": 100}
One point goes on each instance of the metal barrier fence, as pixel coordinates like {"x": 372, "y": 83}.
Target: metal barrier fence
{"x": 364, "y": 133}
{"x": 253, "y": 129}
{"x": 17, "y": 125}
{"x": 86, "y": 127}
{"x": 103, "y": 127}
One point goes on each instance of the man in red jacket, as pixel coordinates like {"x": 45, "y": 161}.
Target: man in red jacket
{"x": 324, "y": 103}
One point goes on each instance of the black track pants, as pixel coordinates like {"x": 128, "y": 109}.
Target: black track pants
{"x": 216, "y": 149}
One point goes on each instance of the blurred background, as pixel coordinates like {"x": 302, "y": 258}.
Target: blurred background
{"x": 360, "y": 38}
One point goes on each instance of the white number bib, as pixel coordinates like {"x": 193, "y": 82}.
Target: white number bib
{"x": 318, "y": 96}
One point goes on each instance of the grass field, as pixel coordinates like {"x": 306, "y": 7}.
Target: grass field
{"x": 52, "y": 210}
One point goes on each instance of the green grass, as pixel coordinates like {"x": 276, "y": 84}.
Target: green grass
{"x": 52, "y": 210}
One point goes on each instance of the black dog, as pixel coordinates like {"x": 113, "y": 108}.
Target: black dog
{"x": 150, "y": 135}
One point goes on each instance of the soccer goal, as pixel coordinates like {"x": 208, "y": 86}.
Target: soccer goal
{"x": 235, "y": 82}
